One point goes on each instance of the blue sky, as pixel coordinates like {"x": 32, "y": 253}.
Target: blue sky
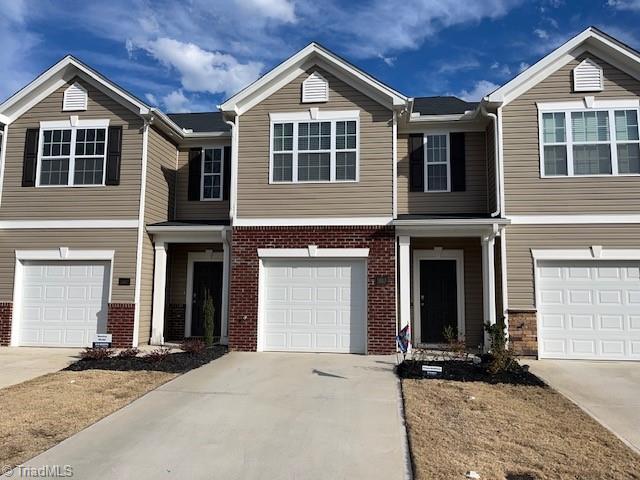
{"x": 190, "y": 55}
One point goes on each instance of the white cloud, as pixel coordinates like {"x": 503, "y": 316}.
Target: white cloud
{"x": 390, "y": 61}
{"x": 624, "y": 4}
{"x": 541, "y": 33}
{"x": 203, "y": 70}
{"x": 176, "y": 102}
{"x": 282, "y": 10}
{"x": 152, "y": 99}
{"x": 458, "y": 65}
{"x": 502, "y": 69}
{"x": 479, "y": 90}
{"x": 523, "y": 66}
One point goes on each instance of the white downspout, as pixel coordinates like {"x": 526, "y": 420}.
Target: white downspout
{"x": 234, "y": 124}
{"x": 496, "y": 158}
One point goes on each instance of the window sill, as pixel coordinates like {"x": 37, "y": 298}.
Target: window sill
{"x": 566, "y": 177}
{"x": 307, "y": 182}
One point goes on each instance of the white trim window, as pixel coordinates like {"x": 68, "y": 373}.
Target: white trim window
{"x": 212, "y": 174}
{"x": 72, "y": 155}
{"x": 437, "y": 168}
{"x": 589, "y": 142}
{"x": 308, "y": 150}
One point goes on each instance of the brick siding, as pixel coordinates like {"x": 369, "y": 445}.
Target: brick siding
{"x": 523, "y": 332}
{"x": 243, "y": 311}
{"x": 120, "y": 323}
{"x": 6, "y": 311}
{"x": 174, "y": 329}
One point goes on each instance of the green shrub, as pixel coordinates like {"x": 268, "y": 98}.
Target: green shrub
{"x": 501, "y": 359}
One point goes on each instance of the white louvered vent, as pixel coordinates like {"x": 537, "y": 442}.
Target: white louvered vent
{"x": 587, "y": 77}
{"x": 75, "y": 98}
{"x": 315, "y": 89}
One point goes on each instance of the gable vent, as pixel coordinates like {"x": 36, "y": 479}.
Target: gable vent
{"x": 75, "y": 98}
{"x": 315, "y": 89}
{"x": 587, "y": 77}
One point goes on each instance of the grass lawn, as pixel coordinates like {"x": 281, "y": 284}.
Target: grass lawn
{"x": 37, "y": 414}
{"x": 511, "y": 432}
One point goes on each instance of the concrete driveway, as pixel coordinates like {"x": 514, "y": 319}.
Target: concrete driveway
{"x": 608, "y": 391}
{"x": 18, "y": 364}
{"x": 252, "y": 415}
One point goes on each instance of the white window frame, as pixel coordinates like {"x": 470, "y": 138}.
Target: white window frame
{"x": 588, "y": 105}
{"x": 314, "y": 115}
{"x": 426, "y": 164}
{"x": 202, "y": 174}
{"x": 73, "y": 124}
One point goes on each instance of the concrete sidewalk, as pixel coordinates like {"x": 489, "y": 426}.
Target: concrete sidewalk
{"x": 608, "y": 391}
{"x": 18, "y": 364}
{"x": 252, "y": 415}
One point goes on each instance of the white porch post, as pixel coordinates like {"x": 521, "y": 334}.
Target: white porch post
{"x": 488, "y": 283}
{"x": 159, "y": 287}
{"x": 404, "y": 262}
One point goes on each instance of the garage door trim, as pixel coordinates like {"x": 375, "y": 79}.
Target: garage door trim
{"x": 54, "y": 254}
{"x": 310, "y": 252}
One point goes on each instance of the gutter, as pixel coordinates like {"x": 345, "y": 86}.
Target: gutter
{"x": 496, "y": 158}
{"x": 234, "y": 124}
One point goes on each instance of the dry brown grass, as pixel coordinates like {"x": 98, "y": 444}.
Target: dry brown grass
{"x": 39, "y": 413}
{"x": 508, "y": 432}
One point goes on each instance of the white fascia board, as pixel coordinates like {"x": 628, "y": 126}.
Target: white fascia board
{"x": 214, "y": 236}
{"x": 592, "y": 253}
{"x": 311, "y": 221}
{"x": 4, "y": 119}
{"x": 454, "y": 117}
{"x": 602, "y": 103}
{"x": 314, "y": 114}
{"x": 64, "y": 253}
{"x": 446, "y": 231}
{"x": 290, "y": 69}
{"x": 313, "y": 251}
{"x": 451, "y": 221}
{"x": 75, "y": 122}
{"x": 185, "y": 228}
{"x": 574, "y": 219}
{"x": 66, "y": 224}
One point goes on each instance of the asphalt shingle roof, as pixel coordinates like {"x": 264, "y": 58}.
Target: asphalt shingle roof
{"x": 200, "y": 122}
{"x": 441, "y": 105}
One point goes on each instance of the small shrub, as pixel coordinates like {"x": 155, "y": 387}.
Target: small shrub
{"x": 457, "y": 346}
{"x": 129, "y": 353}
{"x": 208, "y": 312}
{"x": 194, "y": 346}
{"x": 91, "y": 353}
{"x": 157, "y": 355}
{"x": 500, "y": 359}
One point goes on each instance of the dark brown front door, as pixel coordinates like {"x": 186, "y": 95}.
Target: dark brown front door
{"x": 438, "y": 299}
{"x": 207, "y": 277}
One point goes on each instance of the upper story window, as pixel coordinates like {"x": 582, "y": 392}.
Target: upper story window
{"x": 437, "y": 170}
{"x": 589, "y": 142}
{"x": 212, "y": 172}
{"x": 322, "y": 149}
{"x": 72, "y": 154}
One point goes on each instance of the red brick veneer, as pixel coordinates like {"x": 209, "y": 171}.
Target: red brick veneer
{"x": 174, "y": 328}
{"x": 523, "y": 332}
{"x": 243, "y": 305}
{"x": 120, "y": 323}
{"x": 6, "y": 312}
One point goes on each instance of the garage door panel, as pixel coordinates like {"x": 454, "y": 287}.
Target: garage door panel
{"x": 587, "y": 310}
{"x": 63, "y": 303}
{"x": 314, "y": 305}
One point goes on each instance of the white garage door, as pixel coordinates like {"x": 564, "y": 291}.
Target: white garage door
{"x": 589, "y": 310}
{"x": 314, "y": 306}
{"x": 64, "y": 304}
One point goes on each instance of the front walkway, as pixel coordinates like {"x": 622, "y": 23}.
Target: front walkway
{"x": 19, "y": 364}
{"x": 252, "y": 415}
{"x": 608, "y": 391}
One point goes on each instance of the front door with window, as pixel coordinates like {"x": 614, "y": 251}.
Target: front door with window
{"x": 438, "y": 299}
{"x": 207, "y": 279}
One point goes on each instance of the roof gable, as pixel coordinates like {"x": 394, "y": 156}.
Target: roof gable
{"x": 590, "y": 40}
{"x": 312, "y": 54}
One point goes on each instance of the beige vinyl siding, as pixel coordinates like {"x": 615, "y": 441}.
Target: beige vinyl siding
{"x": 177, "y": 268}
{"x": 371, "y": 196}
{"x": 472, "y": 200}
{"x": 522, "y": 238}
{"x": 123, "y": 241}
{"x": 472, "y": 280}
{"x": 161, "y": 175}
{"x": 146, "y": 290}
{"x": 110, "y": 202}
{"x": 526, "y": 192}
{"x": 196, "y": 210}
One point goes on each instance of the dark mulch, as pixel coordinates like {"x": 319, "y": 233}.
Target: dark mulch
{"x": 467, "y": 371}
{"x": 178, "y": 362}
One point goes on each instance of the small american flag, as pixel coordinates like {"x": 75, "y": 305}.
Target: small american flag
{"x": 404, "y": 339}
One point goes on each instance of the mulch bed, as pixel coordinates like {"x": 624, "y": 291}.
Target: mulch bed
{"x": 178, "y": 362}
{"x": 467, "y": 371}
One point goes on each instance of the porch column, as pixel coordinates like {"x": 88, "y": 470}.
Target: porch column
{"x": 404, "y": 262}
{"x": 159, "y": 289}
{"x": 488, "y": 283}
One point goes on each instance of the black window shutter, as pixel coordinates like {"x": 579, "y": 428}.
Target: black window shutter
{"x": 457, "y": 156}
{"x": 416, "y": 162}
{"x": 30, "y": 157}
{"x": 114, "y": 156}
{"x": 226, "y": 184}
{"x": 195, "y": 166}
